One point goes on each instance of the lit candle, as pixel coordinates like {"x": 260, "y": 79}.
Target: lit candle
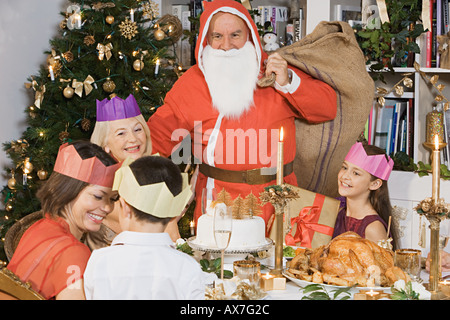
{"x": 445, "y": 287}
{"x": 266, "y": 282}
{"x": 280, "y": 158}
{"x": 157, "y": 67}
{"x": 372, "y": 295}
{"x": 132, "y": 15}
{"x": 78, "y": 20}
{"x": 192, "y": 227}
{"x": 52, "y": 75}
{"x": 436, "y": 170}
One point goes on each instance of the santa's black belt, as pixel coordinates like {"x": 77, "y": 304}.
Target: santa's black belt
{"x": 253, "y": 176}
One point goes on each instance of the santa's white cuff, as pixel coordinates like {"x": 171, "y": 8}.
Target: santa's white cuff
{"x": 290, "y": 87}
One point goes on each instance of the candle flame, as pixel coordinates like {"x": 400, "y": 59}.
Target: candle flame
{"x": 281, "y": 134}
{"x": 192, "y": 224}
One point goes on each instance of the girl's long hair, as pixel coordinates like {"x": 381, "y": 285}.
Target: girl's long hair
{"x": 380, "y": 198}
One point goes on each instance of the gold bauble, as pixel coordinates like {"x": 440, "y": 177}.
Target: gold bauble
{"x": 9, "y": 206}
{"x": 12, "y": 183}
{"x": 159, "y": 34}
{"x": 109, "y": 85}
{"x": 138, "y": 65}
{"x": 109, "y": 19}
{"x": 68, "y": 92}
{"x": 42, "y": 174}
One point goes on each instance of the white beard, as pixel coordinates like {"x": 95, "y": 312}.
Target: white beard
{"x": 231, "y": 77}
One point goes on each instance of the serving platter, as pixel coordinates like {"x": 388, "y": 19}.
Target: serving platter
{"x": 304, "y": 283}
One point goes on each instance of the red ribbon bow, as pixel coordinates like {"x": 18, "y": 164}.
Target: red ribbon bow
{"x": 306, "y": 227}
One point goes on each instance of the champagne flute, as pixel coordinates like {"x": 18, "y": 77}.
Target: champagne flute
{"x": 223, "y": 220}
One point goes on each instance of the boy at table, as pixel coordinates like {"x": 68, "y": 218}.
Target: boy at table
{"x": 141, "y": 262}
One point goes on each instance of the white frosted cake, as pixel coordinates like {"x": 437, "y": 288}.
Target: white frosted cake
{"x": 246, "y": 233}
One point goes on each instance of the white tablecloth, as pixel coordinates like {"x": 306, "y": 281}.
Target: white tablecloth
{"x": 294, "y": 292}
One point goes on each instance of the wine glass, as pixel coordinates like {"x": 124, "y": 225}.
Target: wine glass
{"x": 223, "y": 220}
{"x": 208, "y": 196}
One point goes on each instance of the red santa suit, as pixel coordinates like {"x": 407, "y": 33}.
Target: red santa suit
{"x": 246, "y": 143}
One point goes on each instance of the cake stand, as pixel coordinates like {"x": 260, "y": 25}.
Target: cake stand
{"x": 199, "y": 247}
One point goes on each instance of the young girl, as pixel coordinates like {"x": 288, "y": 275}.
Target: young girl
{"x": 362, "y": 182}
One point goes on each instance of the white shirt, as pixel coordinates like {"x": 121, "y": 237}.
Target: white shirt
{"x": 142, "y": 266}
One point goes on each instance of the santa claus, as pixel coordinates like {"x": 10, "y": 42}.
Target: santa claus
{"x": 231, "y": 124}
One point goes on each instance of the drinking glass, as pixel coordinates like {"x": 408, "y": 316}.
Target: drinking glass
{"x": 409, "y": 261}
{"x": 223, "y": 220}
{"x": 248, "y": 269}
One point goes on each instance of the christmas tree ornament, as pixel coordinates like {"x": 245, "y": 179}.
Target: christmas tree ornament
{"x": 97, "y": 6}
{"x": 89, "y": 40}
{"x": 85, "y": 124}
{"x": 68, "y": 55}
{"x": 109, "y": 85}
{"x": 68, "y": 92}
{"x": 42, "y": 174}
{"x": 12, "y": 183}
{"x": 74, "y": 21}
{"x": 150, "y": 10}
{"x": 128, "y": 28}
{"x": 9, "y": 206}
{"x": 104, "y": 50}
{"x": 159, "y": 34}
{"x": 27, "y": 166}
{"x": 171, "y": 26}
{"x": 86, "y": 84}
{"x": 109, "y": 19}
{"x": 63, "y": 136}
{"x": 138, "y": 65}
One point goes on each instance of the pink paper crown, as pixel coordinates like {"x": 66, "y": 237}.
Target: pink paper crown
{"x": 91, "y": 170}
{"x": 376, "y": 165}
{"x": 117, "y": 108}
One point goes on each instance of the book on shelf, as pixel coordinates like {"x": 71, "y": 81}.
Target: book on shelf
{"x": 390, "y": 127}
{"x": 440, "y": 25}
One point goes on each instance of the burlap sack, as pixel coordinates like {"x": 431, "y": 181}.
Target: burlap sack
{"x": 330, "y": 53}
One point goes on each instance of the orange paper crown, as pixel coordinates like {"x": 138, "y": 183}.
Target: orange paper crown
{"x": 91, "y": 170}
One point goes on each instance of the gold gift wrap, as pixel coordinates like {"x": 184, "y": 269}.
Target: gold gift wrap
{"x": 312, "y": 217}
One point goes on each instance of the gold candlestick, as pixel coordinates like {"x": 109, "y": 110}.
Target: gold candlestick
{"x": 434, "y": 214}
{"x": 279, "y": 211}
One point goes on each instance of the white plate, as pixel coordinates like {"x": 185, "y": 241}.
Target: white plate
{"x": 304, "y": 283}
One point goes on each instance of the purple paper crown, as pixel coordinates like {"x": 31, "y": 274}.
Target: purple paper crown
{"x": 117, "y": 108}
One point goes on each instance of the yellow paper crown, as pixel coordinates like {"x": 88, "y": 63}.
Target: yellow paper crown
{"x": 155, "y": 199}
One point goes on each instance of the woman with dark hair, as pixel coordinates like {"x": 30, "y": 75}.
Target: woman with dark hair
{"x": 362, "y": 182}
{"x": 75, "y": 199}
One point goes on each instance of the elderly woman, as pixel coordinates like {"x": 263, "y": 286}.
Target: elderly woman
{"x": 75, "y": 200}
{"x": 122, "y": 132}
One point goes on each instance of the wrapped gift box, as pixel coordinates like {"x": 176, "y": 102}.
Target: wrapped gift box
{"x": 312, "y": 219}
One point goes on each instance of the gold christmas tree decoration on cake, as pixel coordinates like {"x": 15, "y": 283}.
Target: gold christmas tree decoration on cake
{"x": 252, "y": 205}
{"x": 238, "y": 209}
{"x": 223, "y": 197}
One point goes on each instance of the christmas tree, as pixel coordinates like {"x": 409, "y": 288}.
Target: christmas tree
{"x": 103, "y": 49}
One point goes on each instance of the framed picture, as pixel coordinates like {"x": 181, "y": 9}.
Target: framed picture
{"x": 348, "y": 13}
